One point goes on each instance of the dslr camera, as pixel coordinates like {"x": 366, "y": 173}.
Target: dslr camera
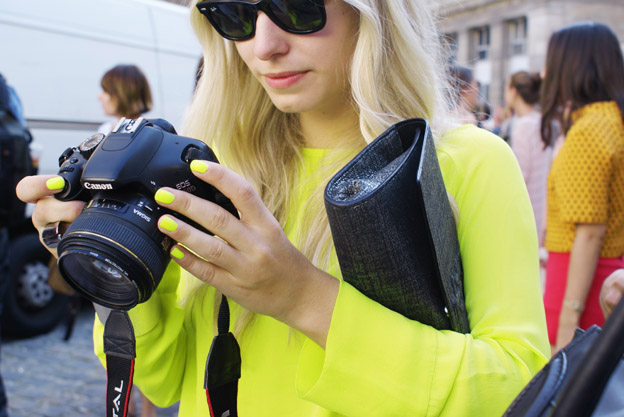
{"x": 113, "y": 253}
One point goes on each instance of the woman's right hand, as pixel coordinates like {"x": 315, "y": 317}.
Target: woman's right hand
{"x": 40, "y": 190}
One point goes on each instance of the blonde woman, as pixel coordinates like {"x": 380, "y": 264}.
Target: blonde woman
{"x": 286, "y": 100}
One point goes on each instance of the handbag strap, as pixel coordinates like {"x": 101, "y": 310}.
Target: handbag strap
{"x": 582, "y": 393}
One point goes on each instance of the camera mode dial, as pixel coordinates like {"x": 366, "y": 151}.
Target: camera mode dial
{"x": 88, "y": 146}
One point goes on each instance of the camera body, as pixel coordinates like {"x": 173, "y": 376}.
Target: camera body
{"x": 113, "y": 253}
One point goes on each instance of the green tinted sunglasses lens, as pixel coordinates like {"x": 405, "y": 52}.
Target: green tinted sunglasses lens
{"x": 236, "y": 20}
{"x": 233, "y": 20}
{"x": 297, "y": 15}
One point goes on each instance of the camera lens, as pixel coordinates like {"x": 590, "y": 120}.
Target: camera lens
{"x": 112, "y": 255}
{"x": 100, "y": 281}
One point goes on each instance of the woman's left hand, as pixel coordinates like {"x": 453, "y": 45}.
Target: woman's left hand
{"x": 251, "y": 261}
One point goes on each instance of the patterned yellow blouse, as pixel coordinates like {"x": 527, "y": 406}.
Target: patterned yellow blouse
{"x": 586, "y": 182}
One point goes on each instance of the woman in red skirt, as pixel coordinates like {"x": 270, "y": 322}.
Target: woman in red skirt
{"x": 583, "y": 91}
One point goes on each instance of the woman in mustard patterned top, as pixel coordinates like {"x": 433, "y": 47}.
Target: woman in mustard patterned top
{"x": 584, "y": 91}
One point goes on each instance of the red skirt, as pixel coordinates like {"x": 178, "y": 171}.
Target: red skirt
{"x": 556, "y": 278}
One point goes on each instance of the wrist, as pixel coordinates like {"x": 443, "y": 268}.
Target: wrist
{"x": 574, "y": 305}
{"x": 313, "y": 309}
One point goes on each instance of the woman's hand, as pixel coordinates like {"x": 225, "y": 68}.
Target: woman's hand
{"x": 39, "y": 190}
{"x": 611, "y": 292}
{"x": 251, "y": 261}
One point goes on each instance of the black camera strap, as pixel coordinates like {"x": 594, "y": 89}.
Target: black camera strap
{"x": 223, "y": 368}
{"x": 223, "y": 365}
{"x": 120, "y": 350}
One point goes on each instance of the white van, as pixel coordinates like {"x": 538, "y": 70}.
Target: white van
{"x": 54, "y": 54}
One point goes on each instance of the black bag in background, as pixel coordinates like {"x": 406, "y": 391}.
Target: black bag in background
{"x": 15, "y": 160}
{"x": 394, "y": 230}
{"x": 586, "y": 378}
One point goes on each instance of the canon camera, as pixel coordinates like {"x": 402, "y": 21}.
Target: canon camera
{"x": 113, "y": 253}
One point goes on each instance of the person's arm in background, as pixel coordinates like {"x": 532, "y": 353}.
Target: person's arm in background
{"x": 583, "y": 261}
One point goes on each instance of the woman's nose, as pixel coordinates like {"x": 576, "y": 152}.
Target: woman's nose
{"x": 269, "y": 39}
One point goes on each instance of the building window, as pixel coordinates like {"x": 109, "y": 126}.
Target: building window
{"x": 481, "y": 42}
{"x": 484, "y": 92}
{"x": 449, "y": 40}
{"x": 517, "y": 35}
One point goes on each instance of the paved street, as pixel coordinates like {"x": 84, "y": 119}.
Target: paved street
{"x": 48, "y": 377}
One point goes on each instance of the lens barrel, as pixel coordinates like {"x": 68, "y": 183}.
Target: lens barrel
{"x": 113, "y": 260}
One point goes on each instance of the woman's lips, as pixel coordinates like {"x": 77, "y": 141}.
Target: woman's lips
{"x": 283, "y": 79}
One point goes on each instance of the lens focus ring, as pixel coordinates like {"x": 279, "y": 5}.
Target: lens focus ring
{"x": 126, "y": 236}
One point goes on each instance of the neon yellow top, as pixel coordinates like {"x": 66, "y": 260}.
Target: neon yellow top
{"x": 377, "y": 362}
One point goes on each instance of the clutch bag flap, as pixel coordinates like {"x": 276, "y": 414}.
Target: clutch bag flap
{"x": 394, "y": 231}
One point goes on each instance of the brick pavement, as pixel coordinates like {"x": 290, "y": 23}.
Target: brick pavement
{"x": 45, "y": 376}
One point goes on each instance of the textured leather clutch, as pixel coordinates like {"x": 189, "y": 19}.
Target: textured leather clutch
{"x": 394, "y": 230}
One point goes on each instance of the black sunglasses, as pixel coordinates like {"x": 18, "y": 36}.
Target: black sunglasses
{"x": 236, "y": 20}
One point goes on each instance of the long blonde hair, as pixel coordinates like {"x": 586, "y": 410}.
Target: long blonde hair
{"x": 397, "y": 72}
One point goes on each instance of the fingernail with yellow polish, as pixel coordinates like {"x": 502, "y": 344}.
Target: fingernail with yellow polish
{"x": 55, "y": 183}
{"x": 199, "y": 166}
{"x": 168, "y": 224}
{"x": 163, "y": 196}
{"x": 177, "y": 253}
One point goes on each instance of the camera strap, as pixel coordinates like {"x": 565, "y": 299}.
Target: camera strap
{"x": 120, "y": 351}
{"x": 223, "y": 368}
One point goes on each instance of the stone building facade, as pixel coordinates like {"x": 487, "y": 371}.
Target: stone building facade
{"x": 499, "y": 37}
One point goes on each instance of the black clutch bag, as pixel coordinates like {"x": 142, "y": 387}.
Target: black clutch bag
{"x": 394, "y": 230}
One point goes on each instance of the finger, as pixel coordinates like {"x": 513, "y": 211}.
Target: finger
{"x": 233, "y": 186}
{"x": 199, "y": 268}
{"x": 50, "y": 210}
{"x": 611, "y": 291}
{"x": 612, "y": 298}
{"x": 618, "y": 281}
{"x": 32, "y": 188}
{"x": 207, "y": 214}
{"x": 211, "y": 249}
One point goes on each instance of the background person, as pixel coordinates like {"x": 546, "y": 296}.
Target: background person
{"x": 285, "y": 111}
{"x": 465, "y": 95}
{"x": 583, "y": 90}
{"x": 10, "y": 108}
{"x": 534, "y": 157}
{"x": 125, "y": 93}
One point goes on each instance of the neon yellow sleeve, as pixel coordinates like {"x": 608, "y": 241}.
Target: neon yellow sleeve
{"x": 160, "y": 340}
{"x": 379, "y": 363}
